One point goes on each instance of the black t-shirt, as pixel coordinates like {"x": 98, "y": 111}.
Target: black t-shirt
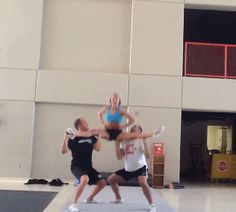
{"x": 81, "y": 149}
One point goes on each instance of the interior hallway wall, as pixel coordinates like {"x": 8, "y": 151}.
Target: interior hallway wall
{"x": 68, "y": 56}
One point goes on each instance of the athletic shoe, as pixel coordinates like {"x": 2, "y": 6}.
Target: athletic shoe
{"x": 152, "y": 208}
{"x": 158, "y": 131}
{"x": 71, "y": 133}
{"x": 73, "y": 208}
{"x": 117, "y": 201}
{"x": 93, "y": 201}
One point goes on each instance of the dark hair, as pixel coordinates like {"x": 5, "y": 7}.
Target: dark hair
{"x": 132, "y": 128}
{"x": 77, "y": 123}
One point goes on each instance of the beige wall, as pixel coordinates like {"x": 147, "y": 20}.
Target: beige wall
{"x": 17, "y": 84}
{"x": 80, "y": 87}
{"x": 209, "y": 94}
{"x": 16, "y": 131}
{"x": 155, "y": 91}
{"x": 91, "y": 35}
{"x": 20, "y": 33}
{"x": 89, "y": 49}
{"x": 157, "y": 38}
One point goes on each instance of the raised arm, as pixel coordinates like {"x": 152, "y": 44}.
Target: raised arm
{"x": 100, "y": 115}
{"x": 119, "y": 152}
{"x": 129, "y": 117}
{"x": 98, "y": 145}
{"x": 64, "y": 148}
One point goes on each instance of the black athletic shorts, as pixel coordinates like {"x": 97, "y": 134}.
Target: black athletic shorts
{"x": 93, "y": 174}
{"x": 113, "y": 133}
{"x": 129, "y": 175}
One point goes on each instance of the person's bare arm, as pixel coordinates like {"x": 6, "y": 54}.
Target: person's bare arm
{"x": 100, "y": 115}
{"x": 119, "y": 152}
{"x": 129, "y": 117}
{"x": 145, "y": 150}
{"x": 64, "y": 148}
{"x": 98, "y": 145}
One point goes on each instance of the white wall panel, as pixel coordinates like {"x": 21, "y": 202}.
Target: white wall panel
{"x": 155, "y": 91}
{"x": 17, "y": 84}
{"x": 16, "y": 129}
{"x": 157, "y": 38}
{"x": 20, "y": 33}
{"x": 80, "y": 87}
{"x": 91, "y": 35}
{"x": 209, "y": 94}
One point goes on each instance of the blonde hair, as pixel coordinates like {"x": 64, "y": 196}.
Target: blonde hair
{"x": 116, "y": 95}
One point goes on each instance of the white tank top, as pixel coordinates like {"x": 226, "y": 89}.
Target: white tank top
{"x": 134, "y": 158}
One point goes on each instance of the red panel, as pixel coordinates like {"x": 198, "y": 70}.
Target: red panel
{"x": 158, "y": 148}
{"x": 210, "y": 60}
{"x": 231, "y": 62}
{"x": 205, "y": 60}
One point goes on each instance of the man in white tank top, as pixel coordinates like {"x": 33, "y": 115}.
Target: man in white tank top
{"x": 134, "y": 153}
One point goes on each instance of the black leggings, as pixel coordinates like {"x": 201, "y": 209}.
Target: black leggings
{"x": 113, "y": 133}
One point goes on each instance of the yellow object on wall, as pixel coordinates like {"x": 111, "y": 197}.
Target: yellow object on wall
{"x": 233, "y": 168}
{"x": 221, "y": 166}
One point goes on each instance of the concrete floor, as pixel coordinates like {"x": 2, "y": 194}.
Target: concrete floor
{"x": 194, "y": 198}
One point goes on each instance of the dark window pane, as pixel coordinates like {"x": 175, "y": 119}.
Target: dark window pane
{"x": 231, "y": 61}
{"x": 205, "y": 60}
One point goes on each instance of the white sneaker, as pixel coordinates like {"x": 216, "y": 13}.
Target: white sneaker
{"x": 73, "y": 207}
{"x": 117, "y": 201}
{"x": 152, "y": 208}
{"x": 93, "y": 201}
{"x": 158, "y": 131}
{"x": 71, "y": 132}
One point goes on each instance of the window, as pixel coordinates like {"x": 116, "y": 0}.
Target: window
{"x": 210, "y": 43}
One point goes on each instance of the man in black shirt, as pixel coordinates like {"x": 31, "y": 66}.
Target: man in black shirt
{"x": 82, "y": 147}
